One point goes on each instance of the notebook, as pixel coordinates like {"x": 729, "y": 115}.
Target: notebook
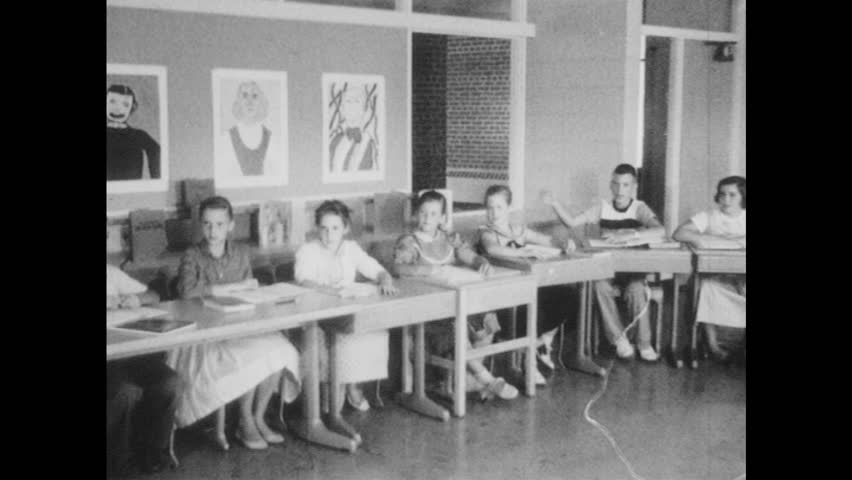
{"x": 276, "y": 293}
{"x": 155, "y": 326}
{"x": 115, "y": 317}
{"x": 227, "y": 304}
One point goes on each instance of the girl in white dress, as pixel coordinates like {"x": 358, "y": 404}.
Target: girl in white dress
{"x": 245, "y": 368}
{"x": 330, "y": 264}
{"x": 722, "y": 300}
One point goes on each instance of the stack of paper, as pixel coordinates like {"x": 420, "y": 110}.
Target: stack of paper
{"x": 276, "y": 293}
{"x": 227, "y": 304}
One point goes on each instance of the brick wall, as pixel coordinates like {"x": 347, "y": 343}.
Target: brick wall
{"x": 478, "y": 75}
{"x": 429, "y": 111}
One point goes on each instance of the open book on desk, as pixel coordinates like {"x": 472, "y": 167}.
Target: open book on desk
{"x": 154, "y": 326}
{"x": 282, "y": 292}
{"x": 115, "y": 317}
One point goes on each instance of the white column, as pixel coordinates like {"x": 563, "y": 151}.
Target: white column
{"x": 673, "y": 133}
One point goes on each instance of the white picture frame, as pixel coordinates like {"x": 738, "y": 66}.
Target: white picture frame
{"x": 250, "y": 149}
{"x": 148, "y": 120}
{"x": 360, "y": 156}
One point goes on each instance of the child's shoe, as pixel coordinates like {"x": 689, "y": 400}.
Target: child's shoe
{"x": 539, "y": 378}
{"x": 362, "y": 405}
{"x": 624, "y": 349}
{"x": 500, "y": 388}
{"x": 648, "y": 354}
{"x": 545, "y": 351}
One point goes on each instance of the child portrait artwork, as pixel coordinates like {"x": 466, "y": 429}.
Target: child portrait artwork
{"x": 250, "y": 127}
{"x": 353, "y": 127}
{"x": 137, "y": 133}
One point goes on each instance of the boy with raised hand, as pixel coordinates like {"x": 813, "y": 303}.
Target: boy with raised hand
{"x": 621, "y": 219}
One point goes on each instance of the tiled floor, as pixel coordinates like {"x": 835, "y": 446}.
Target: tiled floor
{"x": 669, "y": 423}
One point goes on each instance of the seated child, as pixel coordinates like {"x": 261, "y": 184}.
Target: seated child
{"x": 722, "y": 297}
{"x": 422, "y": 253}
{"x": 498, "y": 237}
{"x": 142, "y": 392}
{"x": 624, "y": 218}
{"x": 330, "y": 264}
{"x": 246, "y": 368}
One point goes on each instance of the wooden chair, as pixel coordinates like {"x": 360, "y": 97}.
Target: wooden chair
{"x": 655, "y": 300}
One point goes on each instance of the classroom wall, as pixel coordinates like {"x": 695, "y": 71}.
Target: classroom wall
{"x": 707, "y": 101}
{"x": 190, "y": 45}
{"x": 574, "y": 101}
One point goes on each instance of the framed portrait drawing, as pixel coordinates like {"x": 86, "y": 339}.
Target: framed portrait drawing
{"x": 137, "y": 128}
{"x": 353, "y": 128}
{"x": 249, "y": 128}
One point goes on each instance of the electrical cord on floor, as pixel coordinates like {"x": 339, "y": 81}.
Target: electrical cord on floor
{"x": 600, "y": 393}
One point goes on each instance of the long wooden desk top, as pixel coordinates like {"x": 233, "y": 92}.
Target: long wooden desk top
{"x": 212, "y": 325}
{"x": 416, "y": 302}
{"x": 719, "y": 261}
{"x": 504, "y": 288}
{"x": 570, "y": 268}
{"x": 649, "y": 260}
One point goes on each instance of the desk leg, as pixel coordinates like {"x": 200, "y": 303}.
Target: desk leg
{"x": 406, "y": 359}
{"x": 676, "y": 359}
{"x": 581, "y": 361}
{"x": 418, "y": 401}
{"x": 311, "y": 427}
{"x": 460, "y": 363}
{"x": 693, "y": 349}
{"x": 532, "y": 338}
{"x": 335, "y": 420}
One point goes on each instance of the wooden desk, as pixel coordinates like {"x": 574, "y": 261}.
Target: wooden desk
{"x": 720, "y": 261}
{"x": 572, "y": 268}
{"x": 416, "y": 304}
{"x": 708, "y": 261}
{"x": 674, "y": 261}
{"x": 505, "y": 288}
{"x": 212, "y": 325}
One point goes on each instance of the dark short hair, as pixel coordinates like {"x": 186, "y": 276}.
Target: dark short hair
{"x": 124, "y": 90}
{"x": 497, "y": 189}
{"x": 333, "y": 207}
{"x": 624, "y": 169}
{"x": 216, "y": 203}
{"x": 430, "y": 196}
{"x": 732, "y": 180}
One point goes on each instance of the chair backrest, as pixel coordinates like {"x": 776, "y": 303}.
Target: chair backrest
{"x": 284, "y": 272}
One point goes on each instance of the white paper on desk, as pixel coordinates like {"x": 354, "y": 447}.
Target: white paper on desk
{"x": 598, "y": 243}
{"x": 229, "y": 289}
{"x": 115, "y": 317}
{"x": 271, "y": 293}
{"x": 359, "y": 290}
